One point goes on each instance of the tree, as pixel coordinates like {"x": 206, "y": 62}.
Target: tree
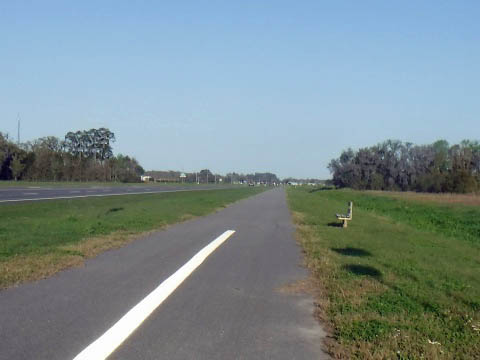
{"x": 206, "y": 176}
{"x": 104, "y": 137}
{"x": 16, "y": 166}
{"x": 393, "y": 165}
{"x": 83, "y": 155}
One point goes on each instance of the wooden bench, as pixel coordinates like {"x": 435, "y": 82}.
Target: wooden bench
{"x": 348, "y": 217}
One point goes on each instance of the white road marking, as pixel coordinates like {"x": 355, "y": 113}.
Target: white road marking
{"x": 100, "y": 195}
{"x": 116, "y": 335}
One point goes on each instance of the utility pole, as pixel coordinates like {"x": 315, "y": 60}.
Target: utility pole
{"x": 18, "y": 130}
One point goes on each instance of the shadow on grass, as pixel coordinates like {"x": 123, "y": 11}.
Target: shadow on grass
{"x": 112, "y": 210}
{"x": 350, "y": 251}
{"x": 321, "y": 189}
{"x": 335, "y": 224}
{"x": 363, "y": 270}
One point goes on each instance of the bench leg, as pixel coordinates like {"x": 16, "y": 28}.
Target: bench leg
{"x": 345, "y": 223}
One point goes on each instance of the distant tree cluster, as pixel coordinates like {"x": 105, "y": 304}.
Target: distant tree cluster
{"x": 81, "y": 156}
{"x": 265, "y": 178}
{"x": 168, "y": 176}
{"x": 394, "y": 165}
{"x": 304, "y": 181}
{"x": 206, "y": 176}
{"x": 203, "y": 176}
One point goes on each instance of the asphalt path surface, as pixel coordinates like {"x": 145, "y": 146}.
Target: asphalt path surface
{"x": 231, "y": 307}
{"x": 32, "y": 193}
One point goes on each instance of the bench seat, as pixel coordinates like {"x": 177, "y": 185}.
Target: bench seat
{"x": 348, "y": 217}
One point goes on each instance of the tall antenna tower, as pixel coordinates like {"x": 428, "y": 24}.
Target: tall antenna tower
{"x": 18, "y": 130}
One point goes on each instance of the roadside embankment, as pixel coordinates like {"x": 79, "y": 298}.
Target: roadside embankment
{"x": 401, "y": 281}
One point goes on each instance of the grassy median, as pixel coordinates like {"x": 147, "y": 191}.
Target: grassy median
{"x": 38, "y": 239}
{"x": 402, "y": 281}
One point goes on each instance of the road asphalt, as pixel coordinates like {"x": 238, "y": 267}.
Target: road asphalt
{"x": 33, "y": 193}
{"x": 231, "y": 306}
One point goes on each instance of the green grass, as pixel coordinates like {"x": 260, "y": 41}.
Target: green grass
{"x": 57, "y": 228}
{"x": 402, "y": 275}
{"x": 454, "y": 220}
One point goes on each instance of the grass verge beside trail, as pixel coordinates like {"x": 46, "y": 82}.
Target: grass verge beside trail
{"x": 401, "y": 282}
{"x": 38, "y": 239}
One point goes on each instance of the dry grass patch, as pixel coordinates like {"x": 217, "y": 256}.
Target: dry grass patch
{"x": 24, "y": 268}
{"x": 29, "y": 268}
{"x": 448, "y": 198}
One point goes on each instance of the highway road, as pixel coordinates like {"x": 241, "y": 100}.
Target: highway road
{"x": 32, "y": 193}
{"x": 230, "y": 306}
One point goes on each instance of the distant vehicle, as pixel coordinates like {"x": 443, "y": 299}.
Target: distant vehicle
{"x": 251, "y": 184}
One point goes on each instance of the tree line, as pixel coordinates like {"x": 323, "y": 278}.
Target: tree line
{"x": 403, "y": 166}
{"x": 84, "y": 155}
{"x": 206, "y": 176}
{"x": 265, "y": 178}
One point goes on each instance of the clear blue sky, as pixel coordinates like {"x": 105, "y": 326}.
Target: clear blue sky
{"x": 279, "y": 86}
